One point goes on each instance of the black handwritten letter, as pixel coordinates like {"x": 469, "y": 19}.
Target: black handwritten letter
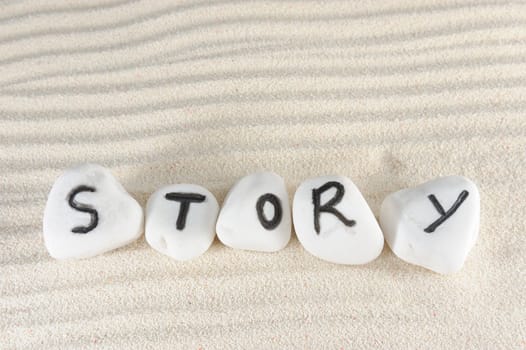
{"x": 185, "y": 199}
{"x": 329, "y": 206}
{"x": 444, "y": 215}
{"x": 85, "y": 208}
{"x": 278, "y": 211}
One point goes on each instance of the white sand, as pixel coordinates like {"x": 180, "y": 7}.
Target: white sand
{"x": 390, "y": 94}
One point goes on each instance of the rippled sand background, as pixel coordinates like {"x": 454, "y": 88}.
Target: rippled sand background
{"x": 390, "y": 94}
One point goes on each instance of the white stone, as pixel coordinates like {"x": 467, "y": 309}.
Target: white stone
{"x": 180, "y": 235}
{"x": 119, "y": 216}
{"x": 406, "y": 217}
{"x": 358, "y": 240}
{"x": 239, "y": 225}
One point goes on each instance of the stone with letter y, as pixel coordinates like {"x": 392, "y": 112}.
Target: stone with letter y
{"x": 433, "y": 225}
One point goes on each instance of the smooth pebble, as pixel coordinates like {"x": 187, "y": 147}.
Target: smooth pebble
{"x": 88, "y": 212}
{"x": 433, "y": 225}
{"x": 256, "y": 214}
{"x": 333, "y": 221}
{"x": 180, "y": 220}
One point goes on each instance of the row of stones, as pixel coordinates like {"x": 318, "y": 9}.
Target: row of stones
{"x": 433, "y": 225}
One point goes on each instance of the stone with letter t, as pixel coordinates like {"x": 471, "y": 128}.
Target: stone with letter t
{"x": 180, "y": 220}
{"x": 433, "y": 225}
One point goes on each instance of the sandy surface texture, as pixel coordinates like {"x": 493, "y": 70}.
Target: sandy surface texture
{"x": 388, "y": 93}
